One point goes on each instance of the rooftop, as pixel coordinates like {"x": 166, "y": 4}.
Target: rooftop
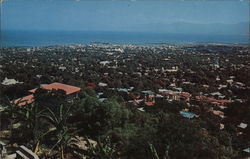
{"x": 247, "y": 150}
{"x": 148, "y": 92}
{"x": 24, "y": 100}
{"x": 7, "y": 82}
{"x": 242, "y": 125}
{"x": 188, "y": 114}
{"x": 67, "y": 88}
{"x": 30, "y": 98}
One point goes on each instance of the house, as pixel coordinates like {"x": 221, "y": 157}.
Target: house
{"x": 100, "y": 84}
{"x": 71, "y": 91}
{"x": 212, "y": 100}
{"x": 7, "y": 82}
{"x": 188, "y": 115}
{"x": 175, "y": 95}
{"x": 185, "y": 96}
{"x": 242, "y": 125}
{"x": 104, "y": 63}
{"x": 169, "y": 94}
{"x": 24, "y": 100}
{"x": 141, "y": 109}
{"x": 222, "y": 126}
{"x": 174, "y": 69}
{"x": 247, "y": 150}
{"x": 149, "y": 97}
{"x": 62, "y": 68}
{"x": 218, "y": 113}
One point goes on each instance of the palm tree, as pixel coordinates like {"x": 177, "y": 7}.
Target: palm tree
{"x": 32, "y": 120}
{"x": 28, "y": 119}
{"x": 60, "y": 129}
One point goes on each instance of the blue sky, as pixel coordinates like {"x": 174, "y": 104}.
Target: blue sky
{"x": 117, "y": 14}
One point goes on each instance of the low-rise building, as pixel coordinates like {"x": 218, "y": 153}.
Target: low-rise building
{"x": 71, "y": 91}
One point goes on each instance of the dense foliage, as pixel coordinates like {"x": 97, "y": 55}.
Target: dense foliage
{"x": 102, "y": 122}
{"x": 119, "y": 131}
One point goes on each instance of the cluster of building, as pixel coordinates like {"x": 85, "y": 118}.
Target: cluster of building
{"x": 210, "y": 74}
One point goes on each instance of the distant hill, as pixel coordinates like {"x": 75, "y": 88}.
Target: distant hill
{"x": 193, "y": 28}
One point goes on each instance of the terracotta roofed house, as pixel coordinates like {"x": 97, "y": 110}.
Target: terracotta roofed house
{"x": 67, "y": 88}
{"x": 149, "y": 97}
{"x": 70, "y": 91}
{"x": 212, "y": 100}
{"x": 24, "y": 100}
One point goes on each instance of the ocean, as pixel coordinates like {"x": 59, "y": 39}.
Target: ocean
{"x": 47, "y": 38}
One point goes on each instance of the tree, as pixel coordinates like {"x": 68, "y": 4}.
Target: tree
{"x": 46, "y": 98}
{"x": 61, "y": 132}
{"x": 113, "y": 114}
{"x": 105, "y": 149}
{"x": 30, "y": 126}
{"x": 11, "y": 114}
{"x": 32, "y": 121}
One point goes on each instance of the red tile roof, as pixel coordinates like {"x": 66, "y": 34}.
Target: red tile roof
{"x": 67, "y": 88}
{"x": 185, "y": 94}
{"x": 149, "y": 103}
{"x": 212, "y": 100}
{"x": 24, "y": 100}
{"x": 224, "y": 101}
